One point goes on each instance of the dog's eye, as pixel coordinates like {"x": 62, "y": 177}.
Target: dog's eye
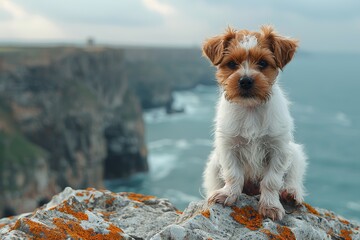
{"x": 263, "y": 64}
{"x": 232, "y": 65}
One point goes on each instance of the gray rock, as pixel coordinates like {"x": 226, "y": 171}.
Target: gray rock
{"x": 91, "y": 213}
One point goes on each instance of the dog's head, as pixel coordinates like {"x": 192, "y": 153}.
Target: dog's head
{"x": 249, "y": 62}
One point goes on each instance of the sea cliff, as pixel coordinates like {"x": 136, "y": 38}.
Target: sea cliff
{"x": 72, "y": 116}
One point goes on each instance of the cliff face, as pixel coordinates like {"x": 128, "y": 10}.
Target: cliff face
{"x": 93, "y": 214}
{"x": 155, "y": 73}
{"x": 73, "y": 116}
{"x": 62, "y": 121}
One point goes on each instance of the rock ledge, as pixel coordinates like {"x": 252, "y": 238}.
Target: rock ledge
{"x": 101, "y": 214}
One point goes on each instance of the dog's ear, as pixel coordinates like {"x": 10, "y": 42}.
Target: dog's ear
{"x": 283, "y": 48}
{"x": 213, "y": 48}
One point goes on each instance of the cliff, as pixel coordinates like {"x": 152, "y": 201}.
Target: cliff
{"x": 67, "y": 118}
{"x": 156, "y": 72}
{"x": 101, "y": 214}
{"x": 72, "y": 116}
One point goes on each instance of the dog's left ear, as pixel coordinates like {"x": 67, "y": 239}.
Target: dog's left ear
{"x": 283, "y": 48}
{"x": 213, "y": 48}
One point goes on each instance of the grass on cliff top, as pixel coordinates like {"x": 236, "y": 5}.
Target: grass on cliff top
{"x": 16, "y": 148}
{"x": 13, "y": 145}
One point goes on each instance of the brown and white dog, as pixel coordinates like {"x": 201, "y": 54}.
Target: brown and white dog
{"x": 254, "y": 150}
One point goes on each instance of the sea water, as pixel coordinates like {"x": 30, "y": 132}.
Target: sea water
{"x": 324, "y": 90}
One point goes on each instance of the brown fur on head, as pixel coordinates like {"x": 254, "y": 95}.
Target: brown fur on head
{"x": 243, "y": 54}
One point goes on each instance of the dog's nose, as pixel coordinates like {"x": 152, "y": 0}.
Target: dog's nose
{"x": 246, "y": 83}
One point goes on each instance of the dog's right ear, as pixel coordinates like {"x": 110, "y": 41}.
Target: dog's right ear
{"x": 213, "y": 48}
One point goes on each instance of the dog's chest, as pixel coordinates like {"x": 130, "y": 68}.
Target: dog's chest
{"x": 254, "y": 155}
{"x": 250, "y": 141}
{"x": 249, "y": 126}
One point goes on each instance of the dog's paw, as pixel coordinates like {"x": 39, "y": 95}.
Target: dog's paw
{"x": 292, "y": 195}
{"x": 223, "y": 196}
{"x": 274, "y": 212}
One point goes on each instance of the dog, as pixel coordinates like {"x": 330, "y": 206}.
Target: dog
{"x": 254, "y": 149}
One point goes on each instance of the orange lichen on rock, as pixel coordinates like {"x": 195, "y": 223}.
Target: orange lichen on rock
{"x": 80, "y": 194}
{"x": 344, "y": 221}
{"x": 74, "y": 230}
{"x": 179, "y": 212}
{"x": 139, "y": 197}
{"x": 110, "y": 201}
{"x": 16, "y": 225}
{"x": 206, "y": 213}
{"x": 284, "y": 233}
{"x": 345, "y": 234}
{"x": 114, "y": 229}
{"x": 329, "y": 215}
{"x": 39, "y": 230}
{"x": 66, "y": 208}
{"x": 2, "y": 225}
{"x": 247, "y": 216}
{"x": 311, "y": 209}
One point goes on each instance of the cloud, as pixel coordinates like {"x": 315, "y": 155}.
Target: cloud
{"x": 320, "y": 25}
{"x": 129, "y": 13}
{"x": 24, "y": 25}
{"x": 159, "y": 7}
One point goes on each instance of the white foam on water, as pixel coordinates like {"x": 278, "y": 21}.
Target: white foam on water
{"x": 354, "y": 206}
{"x": 180, "y": 144}
{"x": 342, "y": 119}
{"x": 160, "y": 143}
{"x": 191, "y": 101}
{"x": 161, "y": 165}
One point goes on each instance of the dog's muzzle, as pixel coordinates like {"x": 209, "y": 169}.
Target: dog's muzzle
{"x": 246, "y": 83}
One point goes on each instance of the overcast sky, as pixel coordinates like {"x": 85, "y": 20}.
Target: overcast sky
{"x": 320, "y": 25}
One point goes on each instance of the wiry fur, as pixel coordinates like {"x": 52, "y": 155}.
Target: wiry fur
{"x": 254, "y": 149}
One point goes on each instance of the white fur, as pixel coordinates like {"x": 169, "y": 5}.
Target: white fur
{"x": 249, "y": 41}
{"x": 257, "y": 144}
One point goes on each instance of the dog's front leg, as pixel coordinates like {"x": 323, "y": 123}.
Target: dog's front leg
{"x": 269, "y": 204}
{"x": 232, "y": 174}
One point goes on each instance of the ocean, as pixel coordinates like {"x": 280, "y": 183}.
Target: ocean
{"x": 323, "y": 89}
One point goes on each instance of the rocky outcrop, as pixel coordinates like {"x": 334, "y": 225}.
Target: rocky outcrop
{"x": 156, "y": 72}
{"x": 65, "y": 122}
{"x": 94, "y": 214}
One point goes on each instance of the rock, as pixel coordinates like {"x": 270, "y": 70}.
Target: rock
{"x": 93, "y": 214}
{"x": 243, "y": 222}
{"x": 101, "y": 214}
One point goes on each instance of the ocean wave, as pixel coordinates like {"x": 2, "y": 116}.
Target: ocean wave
{"x": 161, "y": 165}
{"x": 179, "y": 143}
{"x": 160, "y": 143}
{"x": 342, "y": 119}
{"x": 354, "y": 206}
{"x": 198, "y": 104}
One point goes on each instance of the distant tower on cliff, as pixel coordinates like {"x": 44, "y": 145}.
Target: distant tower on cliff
{"x": 90, "y": 42}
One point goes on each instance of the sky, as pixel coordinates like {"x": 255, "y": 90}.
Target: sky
{"x": 320, "y": 25}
